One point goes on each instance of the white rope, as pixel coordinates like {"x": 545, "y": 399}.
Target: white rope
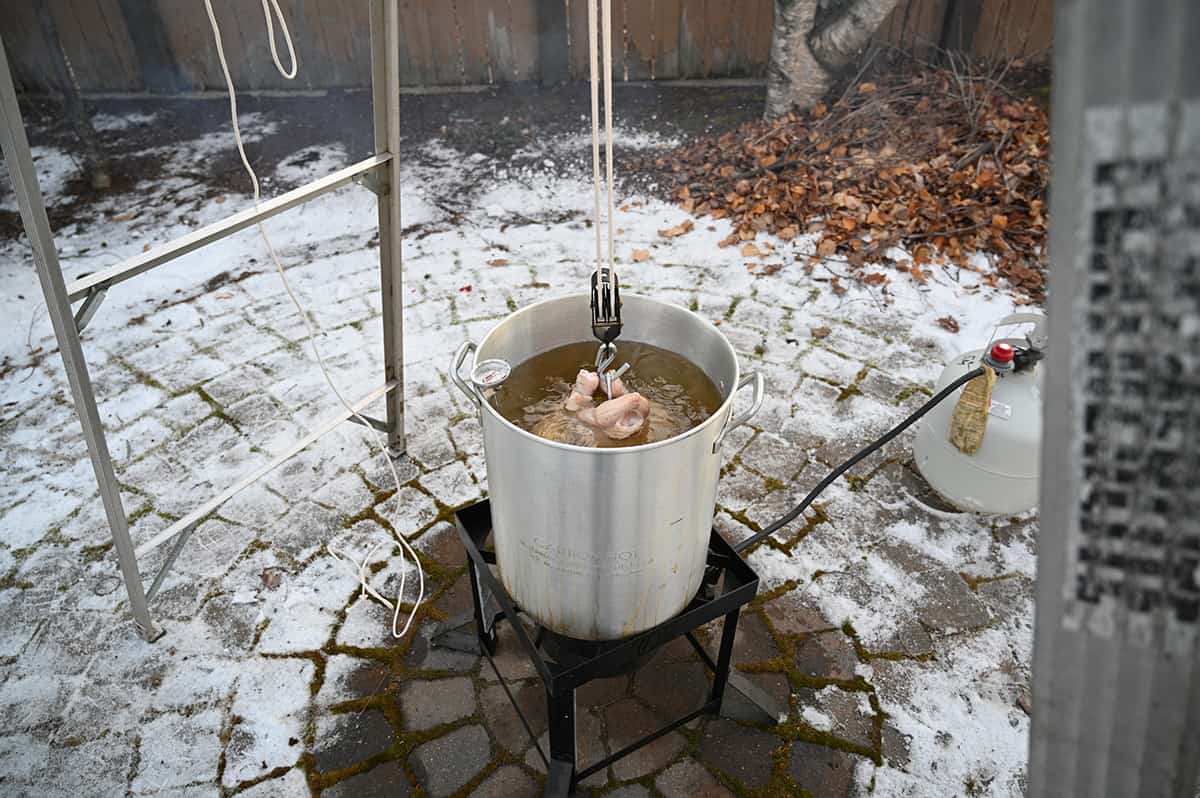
{"x": 287, "y": 37}
{"x": 595, "y": 70}
{"x": 313, "y": 329}
{"x": 605, "y": 14}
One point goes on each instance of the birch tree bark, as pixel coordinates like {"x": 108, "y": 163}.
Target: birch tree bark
{"x": 812, "y": 43}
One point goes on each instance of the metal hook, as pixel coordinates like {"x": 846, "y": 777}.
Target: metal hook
{"x": 605, "y": 357}
{"x": 612, "y": 376}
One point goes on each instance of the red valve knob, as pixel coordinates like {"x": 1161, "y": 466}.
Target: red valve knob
{"x": 1003, "y": 353}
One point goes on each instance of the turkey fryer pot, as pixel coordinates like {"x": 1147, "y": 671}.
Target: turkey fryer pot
{"x": 599, "y": 544}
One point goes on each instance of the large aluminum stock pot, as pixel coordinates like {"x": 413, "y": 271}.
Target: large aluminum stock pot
{"x": 599, "y": 544}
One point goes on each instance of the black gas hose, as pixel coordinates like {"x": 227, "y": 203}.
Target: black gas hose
{"x": 864, "y": 452}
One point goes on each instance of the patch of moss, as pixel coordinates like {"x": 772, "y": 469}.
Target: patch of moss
{"x": 217, "y": 409}
{"x": 857, "y": 483}
{"x": 974, "y": 582}
{"x": 97, "y": 552}
{"x": 911, "y": 391}
{"x": 732, "y": 307}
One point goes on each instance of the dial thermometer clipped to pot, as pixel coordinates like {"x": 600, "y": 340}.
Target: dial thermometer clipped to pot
{"x": 488, "y": 375}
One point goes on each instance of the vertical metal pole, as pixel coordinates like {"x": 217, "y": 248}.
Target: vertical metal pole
{"x": 45, "y": 258}
{"x": 1116, "y": 693}
{"x": 385, "y": 92}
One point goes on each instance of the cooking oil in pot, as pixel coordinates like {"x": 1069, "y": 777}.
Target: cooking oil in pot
{"x": 534, "y": 397}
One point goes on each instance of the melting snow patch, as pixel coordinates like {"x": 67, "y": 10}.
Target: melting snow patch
{"x": 178, "y": 750}
{"x": 113, "y": 123}
{"x": 816, "y": 718}
{"x": 310, "y": 163}
{"x": 55, "y": 168}
{"x": 272, "y": 702}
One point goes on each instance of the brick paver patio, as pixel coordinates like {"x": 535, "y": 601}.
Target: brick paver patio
{"x": 898, "y": 633}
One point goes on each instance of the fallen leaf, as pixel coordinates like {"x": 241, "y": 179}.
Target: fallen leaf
{"x": 948, "y": 323}
{"x": 827, "y": 247}
{"x": 918, "y": 275}
{"x": 640, "y": 255}
{"x": 498, "y": 262}
{"x": 680, "y": 229}
{"x": 866, "y": 88}
{"x": 125, "y": 217}
{"x": 875, "y": 278}
{"x": 847, "y": 200}
{"x": 1000, "y": 220}
{"x": 271, "y": 577}
{"x": 751, "y": 251}
{"x": 820, "y": 332}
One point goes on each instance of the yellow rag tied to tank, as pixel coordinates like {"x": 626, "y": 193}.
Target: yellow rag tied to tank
{"x": 969, "y": 423}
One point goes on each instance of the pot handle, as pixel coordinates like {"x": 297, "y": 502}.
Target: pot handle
{"x": 734, "y": 423}
{"x": 456, "y": 366}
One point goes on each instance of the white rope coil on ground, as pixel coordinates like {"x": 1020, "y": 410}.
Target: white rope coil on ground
{"x": 358, "y": 569}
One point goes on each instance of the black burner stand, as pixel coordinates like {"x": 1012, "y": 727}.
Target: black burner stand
{"x": 728, "y": 585}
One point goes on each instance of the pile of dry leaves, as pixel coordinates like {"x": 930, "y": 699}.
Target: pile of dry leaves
{"x": 940, "y": 161}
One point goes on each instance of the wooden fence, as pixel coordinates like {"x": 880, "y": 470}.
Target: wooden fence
{"x": 166, "y": 45}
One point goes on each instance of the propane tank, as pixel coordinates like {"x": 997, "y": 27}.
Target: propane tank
{"x": 1001, "y": 476}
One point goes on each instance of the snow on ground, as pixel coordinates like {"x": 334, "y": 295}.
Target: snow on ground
{"x": 54, "y": 168}
{"x": 77, "y": 683}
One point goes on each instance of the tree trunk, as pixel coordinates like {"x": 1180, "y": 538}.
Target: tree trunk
{"x": 806, "y": 55}
{"x": 795, "y": 78}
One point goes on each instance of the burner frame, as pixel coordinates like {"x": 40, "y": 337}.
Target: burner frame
{"x": 729, "y": 584}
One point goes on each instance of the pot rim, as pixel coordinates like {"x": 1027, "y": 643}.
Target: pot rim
{"x": 618, "y": 450}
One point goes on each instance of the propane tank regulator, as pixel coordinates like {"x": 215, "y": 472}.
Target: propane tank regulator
{"x": 981, "y": 452}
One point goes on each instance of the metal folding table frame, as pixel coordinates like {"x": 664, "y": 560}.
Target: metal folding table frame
{"x": 380, "y": 173}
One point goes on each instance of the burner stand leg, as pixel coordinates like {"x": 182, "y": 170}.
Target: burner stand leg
{"x": 560, "y": 772}
{"x": 486, "y": 626}
{"x": 724, "y": 656}
{"x": 763, "y": 706}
